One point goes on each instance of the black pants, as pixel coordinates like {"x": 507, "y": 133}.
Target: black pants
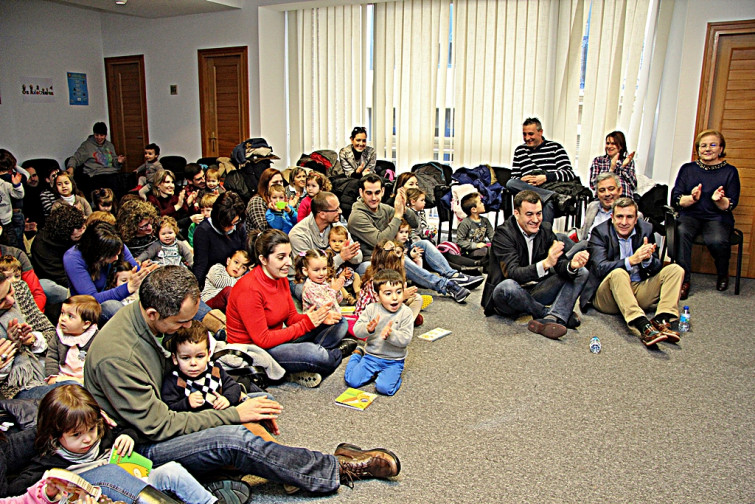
{"x": 716, "y": 236}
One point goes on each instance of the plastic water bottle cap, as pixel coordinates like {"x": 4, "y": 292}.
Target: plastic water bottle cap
{"x": 686, "y": 307}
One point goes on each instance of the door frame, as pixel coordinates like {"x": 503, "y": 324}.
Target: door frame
{"x": 111, "y": 104}
{"x": 715, "y": 31}
{"x": 204, "y": 102}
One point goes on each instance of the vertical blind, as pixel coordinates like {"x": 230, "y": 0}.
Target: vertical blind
{"x": 430, "y": 77}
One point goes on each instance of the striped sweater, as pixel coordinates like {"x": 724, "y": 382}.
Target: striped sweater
{"x": 549, "y": 157}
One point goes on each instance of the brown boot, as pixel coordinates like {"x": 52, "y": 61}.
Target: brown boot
{"x": 214, "y": 320}
{"x": 363, "y": 464}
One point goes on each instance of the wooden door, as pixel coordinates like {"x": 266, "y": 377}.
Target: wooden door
{"x": 223, "y": 99}
{"x": 127, "y": 106}
{"x": 727, "y": 103}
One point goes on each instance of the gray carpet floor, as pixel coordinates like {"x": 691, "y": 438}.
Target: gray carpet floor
{"x": 493, "y": 413}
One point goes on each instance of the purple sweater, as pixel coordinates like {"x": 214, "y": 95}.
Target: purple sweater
{"x": 81, "y": 281}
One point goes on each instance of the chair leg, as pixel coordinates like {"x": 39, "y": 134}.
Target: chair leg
{"x": 739, "y": 269}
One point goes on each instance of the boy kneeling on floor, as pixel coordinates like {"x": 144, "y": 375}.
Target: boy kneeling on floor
{"x": 388, "y": 327}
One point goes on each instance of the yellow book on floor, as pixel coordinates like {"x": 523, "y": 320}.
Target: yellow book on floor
{"x": 355, "y": 398}
{"x": 436, "y": 333}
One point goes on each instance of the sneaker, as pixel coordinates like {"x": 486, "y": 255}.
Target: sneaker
{"x": 466, "y": 281}
{"x": 456, "y": 291}
{"x": 426, "y": 301}
{"x": 304, "y": 378}
{"x": 230, "y": 491}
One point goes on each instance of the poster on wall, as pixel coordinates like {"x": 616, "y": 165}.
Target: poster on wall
{"x": 37, "y": 89}
{"x": 77, "y": 89}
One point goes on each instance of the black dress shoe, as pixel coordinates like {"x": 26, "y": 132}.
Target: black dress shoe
{"x": 348, "y": 344}
{"x": 723, "y": 283}
{"x": 684, "y": 294}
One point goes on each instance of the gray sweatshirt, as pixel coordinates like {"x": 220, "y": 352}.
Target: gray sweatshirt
{"x": 393, "y": 348}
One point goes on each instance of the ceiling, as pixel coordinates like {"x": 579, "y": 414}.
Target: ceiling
{"x": 156, "y": 8}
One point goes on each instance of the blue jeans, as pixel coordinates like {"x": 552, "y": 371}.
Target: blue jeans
{"x": 203, "y": 310}
{"x": 40, "y": 391}
{"x": 316, "y": 352}
{"x": 362, "y": 369}
{"x": 513, "y": 300}
{"x": 115, "y": 482}
{"x": 516, "y": 185}
{"x": 173, "y": 477}
{"x": 435, "y": 261}
{"x": 55, "y": 293}
{"x": 236, "y": 446}
{"x": 109, "y": 309}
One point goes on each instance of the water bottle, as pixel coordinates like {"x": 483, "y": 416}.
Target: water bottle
{"x": 595, "y": 345}
{"x": 684, "y": 321}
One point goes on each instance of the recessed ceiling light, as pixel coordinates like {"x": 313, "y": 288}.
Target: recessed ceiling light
{"x": 120, "y": 2}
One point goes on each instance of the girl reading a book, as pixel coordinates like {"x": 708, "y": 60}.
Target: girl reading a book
{"x": 73, "y": 434}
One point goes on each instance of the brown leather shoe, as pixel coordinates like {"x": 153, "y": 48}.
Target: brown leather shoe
{"x": 356, "y": 463}
{"x": 685, "y": 291}
{"x": 723, "y": 283}
{"x": 547, "y": 328}
{"x": 650, "y": 336}
{"x": 665, "y": 329}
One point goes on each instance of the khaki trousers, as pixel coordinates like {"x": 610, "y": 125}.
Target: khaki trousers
{"x": 618, "y": 294}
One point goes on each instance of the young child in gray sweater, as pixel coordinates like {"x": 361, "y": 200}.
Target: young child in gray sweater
{"x": 388, "y": 327}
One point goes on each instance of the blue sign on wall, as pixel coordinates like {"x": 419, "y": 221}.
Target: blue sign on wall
{"x": 77, "y": 89}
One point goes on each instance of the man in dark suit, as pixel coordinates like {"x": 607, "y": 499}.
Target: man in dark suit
{"x": 626, "y": 275}
{"x": 528, "y": 271}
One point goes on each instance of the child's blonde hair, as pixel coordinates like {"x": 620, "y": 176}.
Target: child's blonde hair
{"x": 207, "y": 200}
{"x": 9, "y": 264}
{"x": 336, "y": 231}
{"x": 303, "y": 262}
{"x": 276, "y": 189}
{"x": 413, "y": 194}
{"x": 86, "y": 306}
{"x": 322, "y": 180}
{"x": 212, "y": 172}
{"x": 101, "y": 216}
{"x": 169, "y": 221}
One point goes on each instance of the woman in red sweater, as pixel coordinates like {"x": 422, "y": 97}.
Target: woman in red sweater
{"x": 311, "y": 345}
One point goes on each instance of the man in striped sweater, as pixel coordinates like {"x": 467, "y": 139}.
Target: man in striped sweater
{"x": 538, "y": 161}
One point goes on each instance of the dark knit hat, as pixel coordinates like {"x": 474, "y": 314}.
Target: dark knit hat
{"x": 100, "y": 128}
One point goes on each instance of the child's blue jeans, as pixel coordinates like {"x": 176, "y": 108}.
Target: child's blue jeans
{"x": 362, "y": 369}
{"x": 173, "y": 477}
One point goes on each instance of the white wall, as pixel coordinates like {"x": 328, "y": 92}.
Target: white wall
{"x": 681, "y": 81}
{"x": 169, "y": 46}
{"x": 44, "y": 39}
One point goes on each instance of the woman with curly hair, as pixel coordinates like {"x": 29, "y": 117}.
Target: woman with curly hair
{"x": 136, "y": 220}
{"x": 88, "y": 265}
{"x": 62, "y": 230}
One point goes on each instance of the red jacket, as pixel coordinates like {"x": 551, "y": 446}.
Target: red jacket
{"x": 257, "y": 308}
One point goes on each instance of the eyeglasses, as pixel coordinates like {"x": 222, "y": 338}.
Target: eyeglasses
{"x": 358, "y": 130}
{"x": 337, "y": 209}
{"x": 144, "y": 227}
{"x": 391, "y": 247}
{"x": 712, "y": 146}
